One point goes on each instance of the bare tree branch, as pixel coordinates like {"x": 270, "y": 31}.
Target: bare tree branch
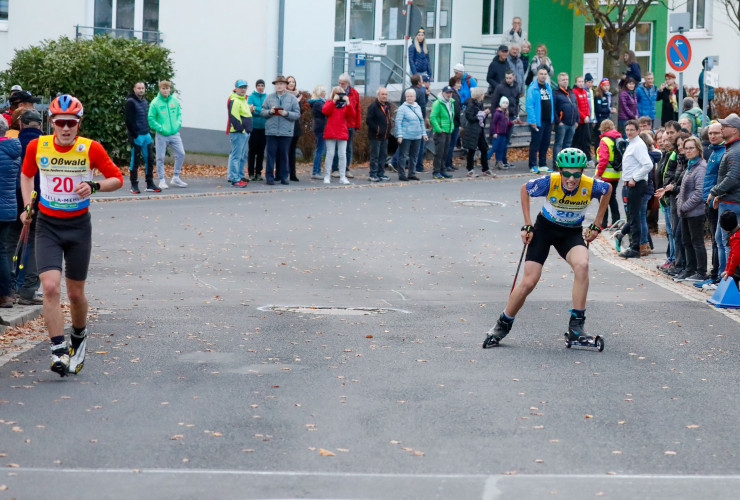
{"x": 733, "y": 11}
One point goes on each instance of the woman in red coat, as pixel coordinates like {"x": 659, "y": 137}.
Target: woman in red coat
{"x": 336, "y": 133}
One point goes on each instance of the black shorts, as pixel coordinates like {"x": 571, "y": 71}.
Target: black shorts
{"x": 547, "y": 234}
{"x": 64, "y": 239}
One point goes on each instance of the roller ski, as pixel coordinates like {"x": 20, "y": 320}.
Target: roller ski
{"x": 60, "y": 359}
{"x": 576, "y": 334}
{"x": 498, "y": 332}
{"x": 77, "y": 354}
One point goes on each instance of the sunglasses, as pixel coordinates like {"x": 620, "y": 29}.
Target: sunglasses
{"x": 575, "y": 175}
{"x": 61, "y": 123}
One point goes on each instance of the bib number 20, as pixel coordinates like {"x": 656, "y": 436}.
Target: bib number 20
{"x": 62, "y": 184}
{"x": 566, "y": 214}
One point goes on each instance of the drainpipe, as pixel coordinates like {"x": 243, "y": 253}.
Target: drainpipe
{"x": 281, "y": 34}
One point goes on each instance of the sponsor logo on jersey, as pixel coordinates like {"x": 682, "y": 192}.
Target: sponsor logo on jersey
{"x": 81, "y": 147}
{"x": 62, "y": 161}
{"x": 44, "y": 161}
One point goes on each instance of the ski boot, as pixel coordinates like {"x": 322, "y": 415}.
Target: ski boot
{"x": 60, "y": 359}
{"x": 498, "y": 332}
{"x": 576, "y": 334}
{"x": 77, "y": 354}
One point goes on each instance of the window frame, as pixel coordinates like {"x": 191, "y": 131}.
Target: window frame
{"x": 434, "y": 43}
{"x": 138, "y": 16}
{"x": 492, "y": 18}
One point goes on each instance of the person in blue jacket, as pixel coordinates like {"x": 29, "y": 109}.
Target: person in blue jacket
{"x": 419, "y": 55}
{"x": 710, "y": 90}
{"x": 647, "y": 96}
{"x": 540, "y": 115}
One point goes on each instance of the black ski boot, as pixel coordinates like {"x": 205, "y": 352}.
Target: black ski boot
{"x": 498, "y": 332}
{"x": 576, "y": 328}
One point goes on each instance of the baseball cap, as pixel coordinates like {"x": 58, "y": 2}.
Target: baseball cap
{"x": 30, "y": 116}
{"x": 447, "y": 89}
{"x": 459, "y": 67}
{"x": 23, "y": 96}
{"x": 425, "y": 77}
{"x": 731, "y": 120}
{"x": 16, "y": 88}
{"x": 240, "y": 83}
{"x": 503, "y": 48}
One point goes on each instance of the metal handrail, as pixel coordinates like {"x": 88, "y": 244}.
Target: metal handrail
{"x": 145, "y": 35}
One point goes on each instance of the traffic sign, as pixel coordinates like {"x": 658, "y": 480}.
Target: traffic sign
{"x": 678, "y": 52}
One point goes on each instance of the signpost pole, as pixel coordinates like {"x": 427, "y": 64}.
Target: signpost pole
{"x": 680, "y": 83}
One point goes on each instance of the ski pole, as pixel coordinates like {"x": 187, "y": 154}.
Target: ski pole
{"x": 517, "y": 268}
{"x": 24, "y": 235}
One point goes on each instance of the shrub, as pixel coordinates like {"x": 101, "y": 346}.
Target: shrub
{"x": 726, "y": 100}
{"x": 100, "y": 72}
{"x": 360, "y": 142}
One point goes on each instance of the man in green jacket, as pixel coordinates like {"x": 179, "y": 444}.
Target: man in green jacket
{"x": 442, "y": 119}
{"x": 240, "y": 127}
{"x": 165, "y": 118}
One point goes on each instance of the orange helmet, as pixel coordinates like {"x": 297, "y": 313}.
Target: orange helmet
{"x": 66, "y": 105}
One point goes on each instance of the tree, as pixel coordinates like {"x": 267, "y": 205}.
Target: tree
{"x": 733, "y": 12}
{"x": 101, "y": 72}
{"x": 613, "y": 20}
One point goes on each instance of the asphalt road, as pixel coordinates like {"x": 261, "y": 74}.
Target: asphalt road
{"x": 223, "y": 365}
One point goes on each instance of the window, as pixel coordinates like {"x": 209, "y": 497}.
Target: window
{"x": 697, "y": 10}
{"x": 394, "y": 22}
{"x": 121, "y": 15}
{"x": 493, "y": 17}
{"x": 445, "y": 19}
{"x": 445, "y": 50}
{"x": 340, "y": 20}
{"x": 125, "y": 14}
{"x": 3, "y": 10}
{"x": 642, "y": 43}
{"x": 362, "y": 19}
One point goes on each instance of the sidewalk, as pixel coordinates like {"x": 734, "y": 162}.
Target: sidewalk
{"x": 645, "y": 267}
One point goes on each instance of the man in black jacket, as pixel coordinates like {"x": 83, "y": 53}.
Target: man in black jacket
{"x": 378, "y": 121}
{"x": 508, "y": 88}
{"x": 137, "y": 123}
{"x": 566, "y": 116}
{"x": 497, "y": 68}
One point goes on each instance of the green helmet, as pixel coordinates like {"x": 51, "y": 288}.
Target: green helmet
{"x": 571, "y": 158}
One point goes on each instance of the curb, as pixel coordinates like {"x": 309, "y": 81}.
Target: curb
{"x": 17, "y": 315}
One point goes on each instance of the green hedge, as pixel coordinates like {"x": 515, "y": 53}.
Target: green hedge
{"x": 101, "y": 72}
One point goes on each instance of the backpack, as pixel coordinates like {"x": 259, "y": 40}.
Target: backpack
{"x": 619, "y": 146}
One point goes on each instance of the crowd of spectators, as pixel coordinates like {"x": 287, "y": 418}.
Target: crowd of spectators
{"x": 669, "y": 169}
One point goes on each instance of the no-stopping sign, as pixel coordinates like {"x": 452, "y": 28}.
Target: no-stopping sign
{"x": 678, "y": 53}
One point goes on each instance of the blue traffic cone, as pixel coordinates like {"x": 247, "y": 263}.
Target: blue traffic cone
{"x": 726, "y": 295}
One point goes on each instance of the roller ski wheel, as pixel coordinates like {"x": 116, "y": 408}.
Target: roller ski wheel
{"x": 490, "y": 341}
{"x": 585, "y": 341}
{"x": 497, "y": 333}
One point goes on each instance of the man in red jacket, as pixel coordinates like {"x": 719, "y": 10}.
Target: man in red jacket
{"x": 345, "y": 82}
{"x": 582, "y": 137}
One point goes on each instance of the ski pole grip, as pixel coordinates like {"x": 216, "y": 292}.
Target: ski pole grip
{"x": 29, "y": 207}
{"x": 528, "y": 228}
{"x": 594, "y": 227}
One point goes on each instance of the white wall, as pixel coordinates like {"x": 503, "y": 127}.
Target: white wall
{"x": 26, "y": 27}
{"x": 210, "y": 52}
{"x": 309, "y": 42}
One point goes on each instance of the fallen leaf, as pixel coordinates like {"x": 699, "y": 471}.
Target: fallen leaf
{"x": 692, "y": 426}
{"x": 176, "y": 437}
{"x": 418, "y": 453}
{"x": 670, "y": 452}
{"x": 325, "y": 453}
{"x": 589, "y": 416}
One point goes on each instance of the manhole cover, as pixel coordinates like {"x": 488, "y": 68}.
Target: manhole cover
{"x": 328, "y": 311}
{"x": 480, "y": 203}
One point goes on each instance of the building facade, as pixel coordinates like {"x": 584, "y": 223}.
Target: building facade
{"x": 316, "y": 40}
